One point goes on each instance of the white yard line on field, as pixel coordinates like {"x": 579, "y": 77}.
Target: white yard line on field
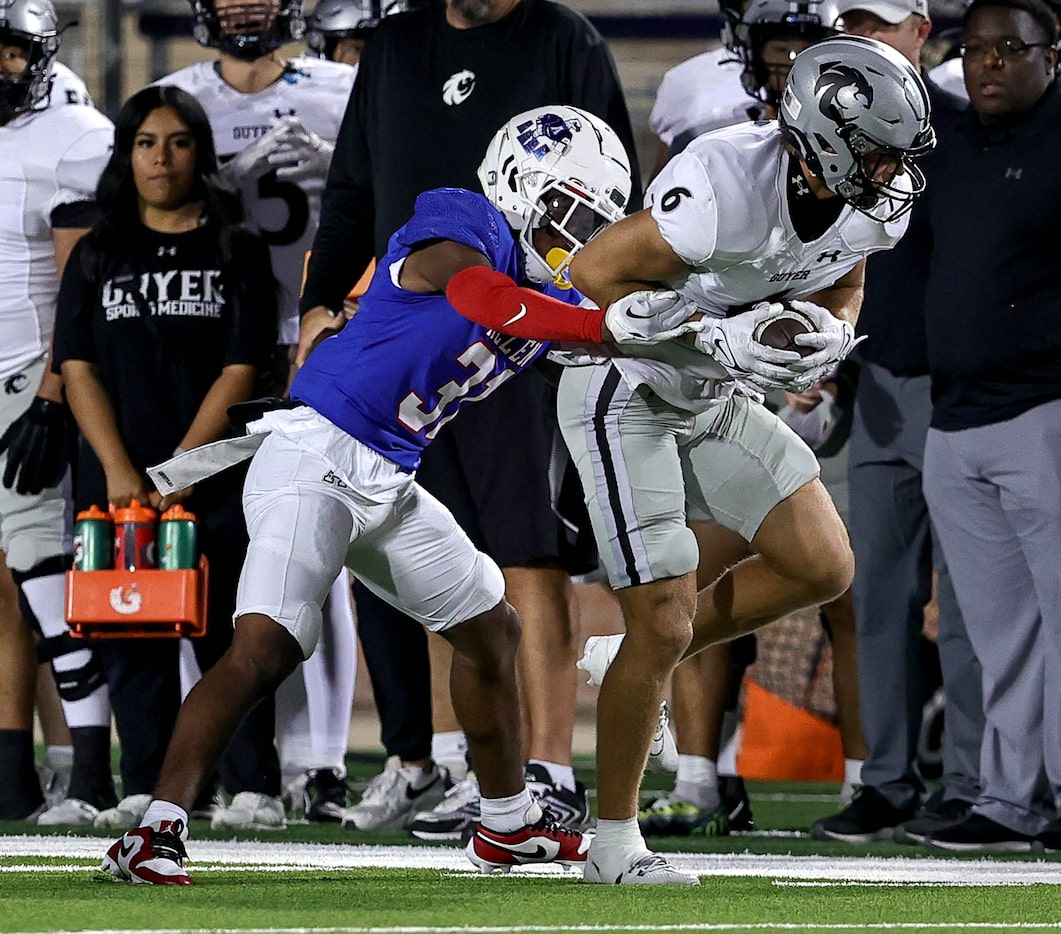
{"x": 257, "y": 856}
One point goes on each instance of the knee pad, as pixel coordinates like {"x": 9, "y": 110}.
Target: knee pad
{"x": 677, "y": 554}
{"x": 73, "y": 684}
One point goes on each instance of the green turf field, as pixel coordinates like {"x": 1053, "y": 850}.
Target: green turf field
{"x": 319, "y": 880}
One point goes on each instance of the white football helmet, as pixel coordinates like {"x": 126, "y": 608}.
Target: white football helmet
{"x": 333, "y": 20}
{"x": 32, "y": 25}
{"x": 558, "y": 167}
{"x": 850, "y": 103}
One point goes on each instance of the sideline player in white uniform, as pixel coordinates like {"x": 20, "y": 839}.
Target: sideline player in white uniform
{"x": 53, "y": 146}
{"x": 746, "y": 217}
{"x": 275, "y": 121}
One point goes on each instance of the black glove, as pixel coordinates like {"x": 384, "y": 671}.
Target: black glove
{"x": 38, "y": 447}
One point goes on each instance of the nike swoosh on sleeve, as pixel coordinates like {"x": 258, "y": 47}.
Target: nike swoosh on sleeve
{"x": 520, "y": 314}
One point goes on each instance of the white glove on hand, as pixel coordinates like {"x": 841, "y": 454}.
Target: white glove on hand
{"x": 832, "y": 339}
{"x": 299, "y": 153}
{"x": 731, "y": 342}
{"x": 651, "y": 317}
{"x": 252, "y": 161}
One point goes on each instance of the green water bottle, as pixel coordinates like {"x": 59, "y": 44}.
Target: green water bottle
{"x": 177, "y": 540}
{"x": 94, "y": 540}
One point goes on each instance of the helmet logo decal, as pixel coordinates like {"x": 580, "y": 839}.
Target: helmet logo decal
{"x": 458, "y": 88}
{"x": 842, "y": 90}
{"x": 540, "y": 136}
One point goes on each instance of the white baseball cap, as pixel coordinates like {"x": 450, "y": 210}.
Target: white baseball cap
{"x": 891, "y": 11}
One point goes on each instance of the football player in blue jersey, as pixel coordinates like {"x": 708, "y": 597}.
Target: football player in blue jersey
{"x": 332, "y": 482}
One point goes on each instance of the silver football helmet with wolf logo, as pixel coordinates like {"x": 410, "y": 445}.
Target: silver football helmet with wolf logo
{"x": 560, "y": 167}
{"x": 30, "y": 25}
{"x": 851, "y": 106}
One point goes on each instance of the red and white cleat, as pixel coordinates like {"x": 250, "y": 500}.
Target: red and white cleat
{"x": 543, "y": 842}
{"x": 149, "y": 855}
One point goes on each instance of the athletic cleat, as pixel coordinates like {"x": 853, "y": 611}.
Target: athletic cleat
{"x": 149, "y": 856}
{"x": 640, "y": 868}
{"x": 870, "y": 816}
{"x": 454, "y": 817}
{"x": 663, "y": 750}
{"x": 735, "y": 803}
{"x": 668, "y": 817}
{"x": 598, "y": 655}
{"x": 568, "y": 808}
{"x": 543, "y": 842}
{"x": 126, "y": 814}
{"x": 70, "y": 812}
{"x": 250, "y": 810}
{"x": 324, "y": 796}
{"x": 390, "y": 801}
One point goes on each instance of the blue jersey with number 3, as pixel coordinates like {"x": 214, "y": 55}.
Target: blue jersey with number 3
{"x": 407, "y": 362}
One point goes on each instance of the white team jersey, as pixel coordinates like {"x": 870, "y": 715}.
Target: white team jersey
{"x": 678, "y": 106}
{"x": 722, "y": 207}
{"x": 48, "y": 158}
{"x": 950, "y": 76}
{"x": 68, "y": 88}
{"x": 285, "y": 213}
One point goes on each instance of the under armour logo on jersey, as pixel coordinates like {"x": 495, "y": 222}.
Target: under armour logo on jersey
{"x": 831, "y": 255}
{"x": 167, "y": 251}
{"x": 278, "y": 113}
{"x": 15, "y": 384}
{"x": 458, "y": 88}
{"x": 1013, "y": 173}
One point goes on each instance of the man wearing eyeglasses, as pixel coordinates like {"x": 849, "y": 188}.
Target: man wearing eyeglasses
{"x": 993, "y": 452}
{"x": 896, "y": 550}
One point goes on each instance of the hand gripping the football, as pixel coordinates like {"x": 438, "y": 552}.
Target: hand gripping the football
{"x": 642, "y": 318}
{"x": 832, "y": 338}
{"x": 733, "y": 344}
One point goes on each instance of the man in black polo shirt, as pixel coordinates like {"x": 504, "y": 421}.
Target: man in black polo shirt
{"x": 895, "y": 547}
{"x": 993, "y": 456}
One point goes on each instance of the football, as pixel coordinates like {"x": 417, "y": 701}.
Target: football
{"x": 779, "y": 331}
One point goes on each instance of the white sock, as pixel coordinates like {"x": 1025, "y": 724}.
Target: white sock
{"x": 619, "y": 834}
{"x": 698, "y": 770}
{"x": 563, "y": 776}
{"x": 852, "y": 771}
{"x": 159, "y": 811}
{"x": 507, "y": 815}
{"x": 450, "y": 749}
{"x": 60, "y": 758}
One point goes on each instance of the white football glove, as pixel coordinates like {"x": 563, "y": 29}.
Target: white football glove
{"x": 300, "y": 153}
{"x": 250, "y": 162}
{"x": 732, "y": 343}
{"x": 832, "y": 339}
{"x": 651, "y": 317}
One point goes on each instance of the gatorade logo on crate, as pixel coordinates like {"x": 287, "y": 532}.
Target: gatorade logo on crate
{"x": 126, "y": 600}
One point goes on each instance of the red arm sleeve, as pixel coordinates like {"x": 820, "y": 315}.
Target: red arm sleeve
{"x": 492, "y": 299}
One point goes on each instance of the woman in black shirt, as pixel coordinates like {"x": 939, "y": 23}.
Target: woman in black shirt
{"x": 166, "y": 312}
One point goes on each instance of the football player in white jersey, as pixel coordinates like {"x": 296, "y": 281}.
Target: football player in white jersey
{"x": 745, "y": 218}
{"x": 274, "y": 123}
{"x": 52, "y": 149}
{"x": 707, "y": 796}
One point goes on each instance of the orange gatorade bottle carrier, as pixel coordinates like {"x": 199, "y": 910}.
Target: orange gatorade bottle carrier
{"x": 131, "y": 596}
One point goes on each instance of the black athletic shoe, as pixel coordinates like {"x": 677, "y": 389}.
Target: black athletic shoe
{"x": 979, "y": 834}
{"x": 935, "y": 814}
{"x": 869, "y": 816}
{"x": 1049, "y": 838}
{"x": 568, "y": 808}
{"x": 324, "y": 796}
{"x": 734, "y": 801}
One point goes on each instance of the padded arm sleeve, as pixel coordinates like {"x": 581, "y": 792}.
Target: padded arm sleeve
{"x": 492, "y": 299}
